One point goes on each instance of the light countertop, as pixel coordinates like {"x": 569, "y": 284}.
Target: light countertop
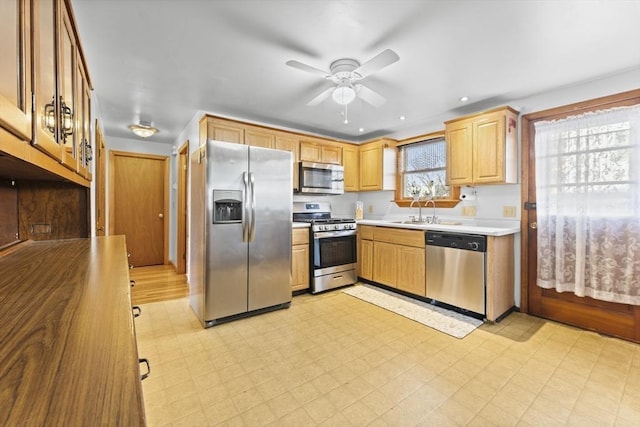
{"x": 487, "y": 229}
{"x": 301, "y": 225}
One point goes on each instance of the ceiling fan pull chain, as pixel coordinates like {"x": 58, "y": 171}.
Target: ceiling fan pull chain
{"x": 346, "y": 118}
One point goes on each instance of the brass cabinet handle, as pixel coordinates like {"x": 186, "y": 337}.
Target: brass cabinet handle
{"x": 533, "y": 225}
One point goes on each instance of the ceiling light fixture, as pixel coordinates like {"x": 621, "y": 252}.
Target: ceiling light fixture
{"x": 143, "y": 129}
{"x": 402, "y": 117}
{"x": 464, "y": 99}
{"x": 344, "y": 93}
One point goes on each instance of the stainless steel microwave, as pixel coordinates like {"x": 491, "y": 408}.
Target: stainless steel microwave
{"x": 321, "y": 178}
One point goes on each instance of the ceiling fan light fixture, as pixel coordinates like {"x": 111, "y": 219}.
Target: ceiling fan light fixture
{"x": 143, "y": 129}
{"x": 344, "y": 94}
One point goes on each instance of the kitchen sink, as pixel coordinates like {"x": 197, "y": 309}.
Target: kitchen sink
{"x": 408, "y": 221}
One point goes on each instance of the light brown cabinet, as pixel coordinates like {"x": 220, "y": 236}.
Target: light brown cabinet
{"x": 393, "y": 257}
{"x": 225, "y": 132}
{"x": 40, "y": 92}
{"x": 377, "y": 161}
{"x": 257, "y": 137}
{"x": 15, "y": 68}
{"x": 289, "y": 143}
{"x": 299, "y": 259}
{"x": 320, "y": 153}
{"x": 482, "y": 149}
{"x": 351, "y": 164}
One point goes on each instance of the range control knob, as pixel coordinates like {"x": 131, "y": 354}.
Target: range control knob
{"x": 474, "y": 245}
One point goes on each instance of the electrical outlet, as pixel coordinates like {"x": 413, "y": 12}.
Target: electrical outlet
{"x": 509, "y": 211}
{"x": 468, "y": 211}
{"x": 370, "y": 208}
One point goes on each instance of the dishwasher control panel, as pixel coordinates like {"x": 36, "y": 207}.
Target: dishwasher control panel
{"x": 469, "y": 242}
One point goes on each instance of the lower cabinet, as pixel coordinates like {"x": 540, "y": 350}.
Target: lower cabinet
{"x": 393, "y": 257}
{"x": 299, "y": 259}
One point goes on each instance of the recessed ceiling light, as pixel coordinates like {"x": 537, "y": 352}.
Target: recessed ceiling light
{"x": 361, "y": 129}
{"x": 464, "y": 98}
{"x": 402, "y": 117}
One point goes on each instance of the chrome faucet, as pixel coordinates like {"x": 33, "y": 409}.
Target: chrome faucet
{"x": 434, "y": 218}
{"x": 420, "y": 219}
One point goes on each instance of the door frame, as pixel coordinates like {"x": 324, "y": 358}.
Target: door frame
{"x": 100, "y": 190}
{"x": 528, "y": 264}
{"x": 112, "y": 155}
{"x": 182, "y": 208}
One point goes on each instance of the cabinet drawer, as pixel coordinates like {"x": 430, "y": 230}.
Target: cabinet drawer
{"x": 300, "y": 236}
{"x": 365, "y": 232}
{"x": 399, "y": 237}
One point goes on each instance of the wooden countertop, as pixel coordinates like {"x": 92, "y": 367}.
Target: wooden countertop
{"x": 68, "y": 353}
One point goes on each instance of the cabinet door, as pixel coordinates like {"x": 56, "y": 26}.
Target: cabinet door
{"x": 310, "y": 152}
{"x": 259, "y": 138}
{"x": 46, "y": 116}
{"x": 83, "y": 122}
{"x": 15, "y": 68}
{"x": 365, "y": 259}
{"x": 224, "y": 132}
{"x": 68, "y": 133}
{"x": 290, "y": 143}
{"x": 385, "y": 263}
{"x": 459, "y": 153}
{"x": 488, "y": 149}
{"x": 371, "y": 168}
{"x": 411, "y": 270}
{"x": 331, "y": 154}
{"x": 299, "y": 267}
{"x": 351, "y": 162}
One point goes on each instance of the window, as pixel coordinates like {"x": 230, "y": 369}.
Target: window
{"x": 422, "y": 167}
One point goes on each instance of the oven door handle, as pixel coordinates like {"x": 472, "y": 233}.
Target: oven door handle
{"x": 329, "y": 234}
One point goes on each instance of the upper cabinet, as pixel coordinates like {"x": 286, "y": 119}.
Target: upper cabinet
{"x": 351, "y": 163}
{"x": 288, "y": 142}
{"x": 319, "y": 152}
{"x": 44, "y": 89}
{"x": 15, "y": 68}
{"x": 258, "y": 137}
{"x": 377, "y": 165}
{"x": 221, "y": 130}
{"x": 482, "y": 148}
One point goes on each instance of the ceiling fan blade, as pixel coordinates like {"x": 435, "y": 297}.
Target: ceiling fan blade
{"x": 308, "y": 69}
{"x": 323, "y": 95}
{"x": 369, "y": 96}
{"x": 383, "y": 59}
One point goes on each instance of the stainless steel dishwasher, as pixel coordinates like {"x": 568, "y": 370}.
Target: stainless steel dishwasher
{"x": 456, "y": 269}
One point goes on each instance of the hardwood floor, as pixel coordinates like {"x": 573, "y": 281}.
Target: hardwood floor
{"x": 157, "y": 283}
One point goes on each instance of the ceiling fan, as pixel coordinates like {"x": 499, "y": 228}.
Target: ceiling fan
{"x": 346, "y": 73}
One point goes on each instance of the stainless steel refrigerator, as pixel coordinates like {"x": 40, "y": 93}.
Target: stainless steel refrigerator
{"x": 240, "y": 231}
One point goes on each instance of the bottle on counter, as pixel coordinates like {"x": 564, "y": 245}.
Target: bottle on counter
{"x": 359, "y": 211}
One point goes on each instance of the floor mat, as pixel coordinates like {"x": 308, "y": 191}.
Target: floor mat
{"x": 447, "y": 321}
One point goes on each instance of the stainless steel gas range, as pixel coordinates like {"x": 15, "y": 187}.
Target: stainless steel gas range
{"x": 333, "y": 246}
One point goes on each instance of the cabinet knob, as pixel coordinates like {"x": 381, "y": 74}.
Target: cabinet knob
{"x": 533, "y": 225}
{"x": 160, "y": 216}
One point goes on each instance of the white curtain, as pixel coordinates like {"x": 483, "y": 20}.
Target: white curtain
{"x": 588, "y": 204}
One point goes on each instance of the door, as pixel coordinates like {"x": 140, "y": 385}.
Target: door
{"x": 138, "y": 204}
{"x": 270, "y": 237}
{"x": 183, "y": 212}
{"x": 100, "y": 189}
{"x": 622, "y": 320}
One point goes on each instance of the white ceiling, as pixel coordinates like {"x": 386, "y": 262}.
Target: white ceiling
{"x": 163, "y": 60}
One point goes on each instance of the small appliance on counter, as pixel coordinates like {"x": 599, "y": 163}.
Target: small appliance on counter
{"x": 333, "y": 246}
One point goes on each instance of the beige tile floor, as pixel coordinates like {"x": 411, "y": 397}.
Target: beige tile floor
{"x": 335, "y": 360}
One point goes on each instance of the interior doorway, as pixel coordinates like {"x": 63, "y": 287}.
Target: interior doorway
{"x": 182, "y": 208}
{"x": 138, "y": 205}
{"x": 100, "y": 184}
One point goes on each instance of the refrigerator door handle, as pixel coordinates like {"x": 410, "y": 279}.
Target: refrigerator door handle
{"x": 245, "y": 203}
{"x": 252, "y": 229}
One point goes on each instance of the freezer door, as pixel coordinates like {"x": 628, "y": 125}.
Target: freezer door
{"x": 271, "y": 175}
{"x": 227, "y": 257}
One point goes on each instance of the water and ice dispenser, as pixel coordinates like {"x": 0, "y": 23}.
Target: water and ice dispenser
{"x": 227, "y": 206}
